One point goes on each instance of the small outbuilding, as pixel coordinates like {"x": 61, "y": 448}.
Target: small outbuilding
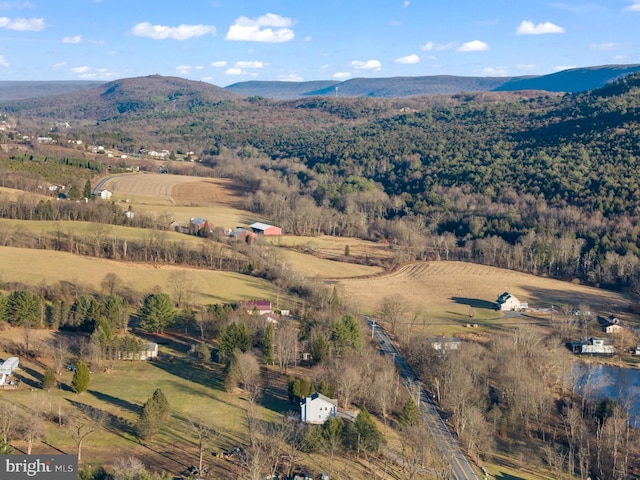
{"x": 7, "y": 368}
{"x": 593, "y": 346}
{"x": 442, "y": 344}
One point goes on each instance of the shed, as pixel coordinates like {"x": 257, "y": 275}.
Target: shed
{"x": 264, "y": 229}
{"x": 593, "y": 346}
{"x": 445, "y": 343}
{"x": 7, "y": 368}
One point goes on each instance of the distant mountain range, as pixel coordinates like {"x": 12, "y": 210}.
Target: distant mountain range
{"x": 137, "y": 93}
{"x": 570, "y": 81}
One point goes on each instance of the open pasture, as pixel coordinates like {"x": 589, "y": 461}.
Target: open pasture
{"x": 451, "y": 290}
{"x": 181, "y": 197}
{"x": 35, "y": 267}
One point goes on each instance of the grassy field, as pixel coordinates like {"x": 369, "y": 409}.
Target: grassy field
{"x": 450, "y": 295}
{"x": 189, "y": 388}
{"x": 35, "y": 267}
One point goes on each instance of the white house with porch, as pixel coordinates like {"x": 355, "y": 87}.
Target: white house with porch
{"x": 317, "y": 408}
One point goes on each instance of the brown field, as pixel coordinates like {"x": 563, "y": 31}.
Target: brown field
{"x": 12, "y": 194}
{"x": 36, "y": 267}
{"x": 449, "y": 289}
{"x": 181, "y": 190}
{"x": 182, "y": 197}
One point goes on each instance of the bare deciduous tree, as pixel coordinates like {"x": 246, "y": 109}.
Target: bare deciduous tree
{"x": 85, "y": 421}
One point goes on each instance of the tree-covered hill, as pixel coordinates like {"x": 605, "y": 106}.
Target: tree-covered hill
{"x": 122, "y": 98}
{"x": 482, "y": 165}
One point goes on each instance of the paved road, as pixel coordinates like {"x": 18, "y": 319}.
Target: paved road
{"x": 460, "y": 466}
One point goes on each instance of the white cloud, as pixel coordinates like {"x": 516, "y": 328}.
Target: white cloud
{"x": 15, "y": 5}
{"x": 340, "y": 75}
{"x": 59, "y": 65}
{"x": 183, "y": 69}
{"x": 406, "y": 3}
{"x": 526, "y": 66}
{"x": 3, "y": 62}
{"x": 430, "y": 46}
{"x": 235, "y": 71}
{"x": 80, "y": 69}
{"x": 368, "y": 65}
{"x": 408, "y": 59}
{"x": 74, "y": 39}
{"x": 308, "y": 38}
{"x": 259, "y": 30}
{"x": 181, "y": 32}
{"x": 495, "y": 71}
{"x": 23, "y": 24}
{"x": 96, "y": 42}
{"x": 474, "y": 46}
{"x": 291, "y": 77}
{"x": 528, "y": 28}
{"x": 219, "y": 63}
{"x": 251, "y": 64}
{"x": 199, "y": 67}
{"x": 635, "y": 7}
{"x": 608, "y": 46}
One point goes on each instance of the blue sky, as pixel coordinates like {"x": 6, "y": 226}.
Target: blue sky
{"x": 229, "y": 41}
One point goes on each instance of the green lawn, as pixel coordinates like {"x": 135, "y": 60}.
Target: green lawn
{"x": 190, "y": 389}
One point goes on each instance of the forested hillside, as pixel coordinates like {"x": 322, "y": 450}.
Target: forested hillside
{"x": 535, "y": 182}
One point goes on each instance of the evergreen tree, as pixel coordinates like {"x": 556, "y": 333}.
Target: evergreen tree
{"x": 4, "y": 308}
{"x": 49, "y": 379}
{"x": 162, "y": 404}
{"x": 363, "y": 434}
{"x": 156, "y": 313}
{"x": 149, "y": 421}
{"x": 232, "y": 338}
{"x": 81, "y": 377}
{"x": 24, "y": 308}
{"x": 267, "y": 344}
{"x": 410, "y": 415}
{"x": 345, "y": 333}
{"x": 86, "y": 191}
{"x": 154, "y": 413}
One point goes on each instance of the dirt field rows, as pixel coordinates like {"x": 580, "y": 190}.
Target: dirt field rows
{"x": 445, "y": 288}
{"x": 181, "y": 190}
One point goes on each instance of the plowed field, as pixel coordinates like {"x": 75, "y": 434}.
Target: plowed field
{"x": 446, "y": 289}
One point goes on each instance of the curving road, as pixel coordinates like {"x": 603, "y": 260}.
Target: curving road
{"x": 460, "y": 467}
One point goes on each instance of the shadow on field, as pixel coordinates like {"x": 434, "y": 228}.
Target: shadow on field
{"x": 506, "y": 476}
{"x": 116, "y": 401}
{"x": 475, "y": 302}
{"x": 599, "y": 301}
{"x": 116, "y": 425}
{"x": 206, "y": 375}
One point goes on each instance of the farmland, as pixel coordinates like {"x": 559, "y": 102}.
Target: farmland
{"x": 444, "y": 297}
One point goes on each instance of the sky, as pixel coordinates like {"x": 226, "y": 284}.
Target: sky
{"x": 228, "y": 41}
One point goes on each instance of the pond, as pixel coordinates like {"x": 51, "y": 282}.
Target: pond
{"x": 619, "y": 383}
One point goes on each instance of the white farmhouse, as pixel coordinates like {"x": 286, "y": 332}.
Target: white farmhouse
{"x": 507, "y": 303}
{"x": 317, "y": 408}
{"x": 105, "y": 194}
